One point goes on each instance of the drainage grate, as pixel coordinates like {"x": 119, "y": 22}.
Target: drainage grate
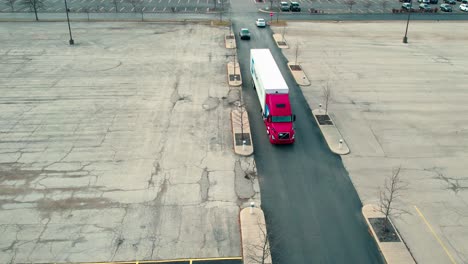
{"x": 324, "y": 120}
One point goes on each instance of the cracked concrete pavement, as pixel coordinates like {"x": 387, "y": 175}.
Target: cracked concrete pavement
{"x": 117, "y": 148}
{"x": 398, "y": 105}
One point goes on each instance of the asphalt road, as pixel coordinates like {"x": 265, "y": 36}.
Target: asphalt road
{"x": 312, "y": 209}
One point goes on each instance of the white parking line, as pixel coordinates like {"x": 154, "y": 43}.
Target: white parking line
{"x": 58, "y": 9}
{"x": 150, "y": 1}
{"x": 102, "y": 1}
{"x": 160, "y": 1}
{"x": 121, "y": 9}
{"x": 154, "y": 8}
{"x": 188, "y": 1}
{"x": 169, "y": 1}
{"x": 164, "y": 9}
{"x": 178, "y": 2}
{"x": 132, "y": 9}
{"x": 110, "y": 10}
{"x": 207, "y": 1}
{"x": 143, "y": 9}
{"x": 185, "y": 10}
{"x": 92, "y": 1}
{"x": 196, "y": 8}
{"x": 79, "y": 9}
{"x": 198, "y": 2}
{"x": 121, "y": 1}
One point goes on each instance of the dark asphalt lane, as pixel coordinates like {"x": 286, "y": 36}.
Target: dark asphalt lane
{"x": 312, "y": 209}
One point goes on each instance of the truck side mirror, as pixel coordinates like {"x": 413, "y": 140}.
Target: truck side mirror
{"x": 294, "y": 118}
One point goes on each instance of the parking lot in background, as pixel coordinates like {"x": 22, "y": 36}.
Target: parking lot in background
{"x": 204, "y": 6}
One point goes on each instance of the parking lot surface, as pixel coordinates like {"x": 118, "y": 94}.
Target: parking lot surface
{"x": 398, "y": 105}
{"x": 119, "y": 147}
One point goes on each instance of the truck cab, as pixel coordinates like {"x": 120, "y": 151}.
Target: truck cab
{"x": 278, "y": 119}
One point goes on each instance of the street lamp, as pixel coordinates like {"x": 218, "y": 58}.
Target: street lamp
{"x": 68, "y": 20}
{"x": 405, "y": 38}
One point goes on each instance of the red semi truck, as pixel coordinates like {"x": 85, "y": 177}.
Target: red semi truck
{"x": 273, "y": 94}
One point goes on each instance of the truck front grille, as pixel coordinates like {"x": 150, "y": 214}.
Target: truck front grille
{"x": 283, "y": 135}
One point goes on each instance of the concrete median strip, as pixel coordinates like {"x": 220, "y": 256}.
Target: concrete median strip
{"x": 241, "y": 135}
{"x": 255, "y": 244}
{"x": 393, "y": 252}
{"x": 234, "y": 74}
{"x": 230, "y": 41}
{"x": 298, "y": 74}
{"x": 280, "y": 41}
{"x": 329, "y": 131}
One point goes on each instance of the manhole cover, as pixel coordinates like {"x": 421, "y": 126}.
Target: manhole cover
{"x": 281, "y": 43}
{"x": 234, "y": 77}
{"x": 241, "y": 137}
{"x": 324, "y": 120}
{"x": 295, "y": 67}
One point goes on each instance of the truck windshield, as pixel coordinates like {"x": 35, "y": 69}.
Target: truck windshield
{"x": 281, "y": 119}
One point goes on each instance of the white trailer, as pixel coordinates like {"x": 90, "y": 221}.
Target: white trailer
{"x": 266, "y": 75}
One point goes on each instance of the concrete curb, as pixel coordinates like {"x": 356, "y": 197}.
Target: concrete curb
{"x": 253, "y": 235}
{"x": 233, "y": 69}
{"x": 230, "y": 41}
{"x": 393, "y": 252}
{"x": 240, "y": 124}
{"x": 331, "y": 135}
{"x": 279, "y": 40}
{"x": 299, "y": 75}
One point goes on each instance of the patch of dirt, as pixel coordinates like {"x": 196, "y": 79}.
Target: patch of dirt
{"x": 295, "y": 67}
{"x": 234, "y": 77}
{"x": 243, "y": 136}
{"x": 384, "y": 230}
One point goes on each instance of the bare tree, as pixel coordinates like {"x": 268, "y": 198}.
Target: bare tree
{"x": 327, "y": 95}
{"x": 391, "y": 191}
{"x": 384, "y": 5}
{"x": 116, "y": 5}
{"x": 350, "y": 4}
{"x": 34, "y": 5}
{"x": 260, "y": 253}
{"x": 296, "y": 53}
{"x": 11, "y": 3}
{"x": 367, "y": 4}
{"x": 87, "y": 10}
{"x": 135, "y": 4}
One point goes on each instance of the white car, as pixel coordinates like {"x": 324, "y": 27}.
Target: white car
{"x": 424, "y": 1}
{"x": 464, "y": 7}
{"x": 260, "y": 22}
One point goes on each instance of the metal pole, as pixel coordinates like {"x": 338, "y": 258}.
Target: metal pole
{"x": 68, "y": 20}
{"x": 405, "y": 38}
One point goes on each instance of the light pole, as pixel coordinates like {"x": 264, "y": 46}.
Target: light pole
{"x": 405, "y": 38}
{"x": 68, "y": 20}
